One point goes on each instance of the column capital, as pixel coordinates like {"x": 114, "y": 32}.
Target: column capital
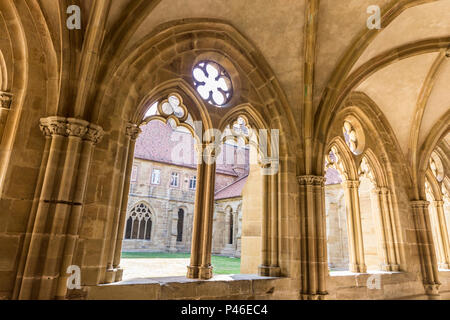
{"x": 438, "y": 203}
{"x": 351, "y": 183}
{"x": 311, "y": 180}
{"x": 133, "y": 131}
{"x": 94, "y": 134}
{"x": 53, "y": 126}
{"x": 5, "y": 100}
{"x": 72, "y": 127}
{"x": 77, "y": 128}
{"x": 419, "y": 204}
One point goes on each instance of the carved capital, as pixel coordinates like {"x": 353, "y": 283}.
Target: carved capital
{"x": 77, "y": 128}
{"x": 133, "y": 131}
{"x": 351, "y": 184}
{"x": 438, "y": 203}
{"x": 420, "y": 204}
{"x": 310, "y": 180}
{"x": 53, "y": 126}
{"x": 94, "y": 134}
{"x": 5, "y": 100}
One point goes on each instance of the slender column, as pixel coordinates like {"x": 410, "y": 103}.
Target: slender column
{"x": 209, "y": 157}
{"x": 356, "y": 246}
{"x": 5, "y": 106}
{"x": 430, "y": 275}
{"x": 193, "y": 268}
{"x": 264, "y": 268}
{"x": 381, "y": 198}
{"x": 269, "y": 264}
{"x": 132, "y": 133}
{"x": 442, "y": 235}
{"x": 314, "y": 268}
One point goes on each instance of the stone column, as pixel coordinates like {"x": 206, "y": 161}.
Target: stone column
{"x": 355, "y": 238}
{"x": 270, "y": 264}
{"x": 93, "y": 136}
{"x": 132, "y": 133}
{"x": 425, "y": 246}
{"x": 209, "y": 157}
{"x": 53, "y": 224}
{"x": 200, "y": 265}
{"x": 442, "y": 235}
{"x": 5, "y": 106}
{"x": 386, "y": 232}
{"x": 313, "y": 246}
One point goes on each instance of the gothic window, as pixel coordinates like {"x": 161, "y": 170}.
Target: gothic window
{"x": 139, "y": 223}
{"x": 213, "y": 83}
{"x": 193, "y": 183}
{"x": 436, "y": 167}
{"x": 353, "y": 135}
{"x": 180, "y": 225}
{"x": 156, "y": 176}
{"x": 174, "y": 179}
{"x": 230, "y": 241}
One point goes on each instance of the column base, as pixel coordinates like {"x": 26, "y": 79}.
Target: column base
{"x": 205, "y": 273}
{"x": 432, "y": 291}
{"x": 113, "y": 275}
{"x": 193, "y": 272}
{"x": 265, "y": 271}
{"x": 390, "y": 267}
{"x": 317, "y": 296}
{"x": 358, "y": 268}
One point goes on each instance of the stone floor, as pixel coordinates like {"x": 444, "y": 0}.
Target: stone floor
{"x": 153, "y": 268}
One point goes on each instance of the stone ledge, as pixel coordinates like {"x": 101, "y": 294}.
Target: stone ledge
{"x": 219, "y": 287}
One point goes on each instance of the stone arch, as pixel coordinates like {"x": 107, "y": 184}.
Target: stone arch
{"x": 439, "y": 131}
{"x": 3, "y": 73}
{"x": 343, "y": 161}
{"x": 174, "y": 41}
{"x": 152, "y": 218}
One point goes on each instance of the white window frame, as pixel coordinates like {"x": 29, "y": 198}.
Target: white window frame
{"x": 176, "y": 176}
{"x": 153, "y": 177}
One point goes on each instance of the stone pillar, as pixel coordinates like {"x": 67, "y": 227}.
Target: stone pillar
{"x": 425, "y": 246}
{"x": 132, "y": 133}
{"x": 54, "y": 220}
{"x": 200, "y": 265}
{"x": 385, "y": 227}
{"x": 442, "y": 235}
{"x": 270, "y": 263}
{"x": 355, "y": 237}
{"x": 313, "y": 246}
{"x": 92, "y": 137}
{"x": 5, "y": 106}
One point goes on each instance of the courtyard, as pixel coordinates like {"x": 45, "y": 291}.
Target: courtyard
{"x": 156, "y": 264}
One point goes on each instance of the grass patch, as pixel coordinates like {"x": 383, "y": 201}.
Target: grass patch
{"x": 222, "y": 265}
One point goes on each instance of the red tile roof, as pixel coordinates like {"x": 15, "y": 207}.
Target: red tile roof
{"x": 233, "y": 190}
{"x": 159, "y": 142}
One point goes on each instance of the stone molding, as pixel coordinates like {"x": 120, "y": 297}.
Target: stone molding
{"x": 5, "y": 100}
{"x": 420, "y": 204}
{"x": 133, "y": 131}
{"x": 71, "y": 127}
{"x": 351, "y": 183}
{"x": 311, "y": 180}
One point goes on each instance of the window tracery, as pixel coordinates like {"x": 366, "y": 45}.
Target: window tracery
{"x": 213, "y": 83}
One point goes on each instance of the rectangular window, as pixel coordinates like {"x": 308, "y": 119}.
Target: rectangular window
{"x": 193, "y": 183}
{"x": 134, "y": 174}
{"x": 174, "y": 179}
{"x": 156, "y": 176}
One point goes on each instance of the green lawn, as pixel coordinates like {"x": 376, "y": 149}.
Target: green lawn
{"x": 222, "y": 265}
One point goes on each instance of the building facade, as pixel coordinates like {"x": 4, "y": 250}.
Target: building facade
{"x": 162, "y": 193}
